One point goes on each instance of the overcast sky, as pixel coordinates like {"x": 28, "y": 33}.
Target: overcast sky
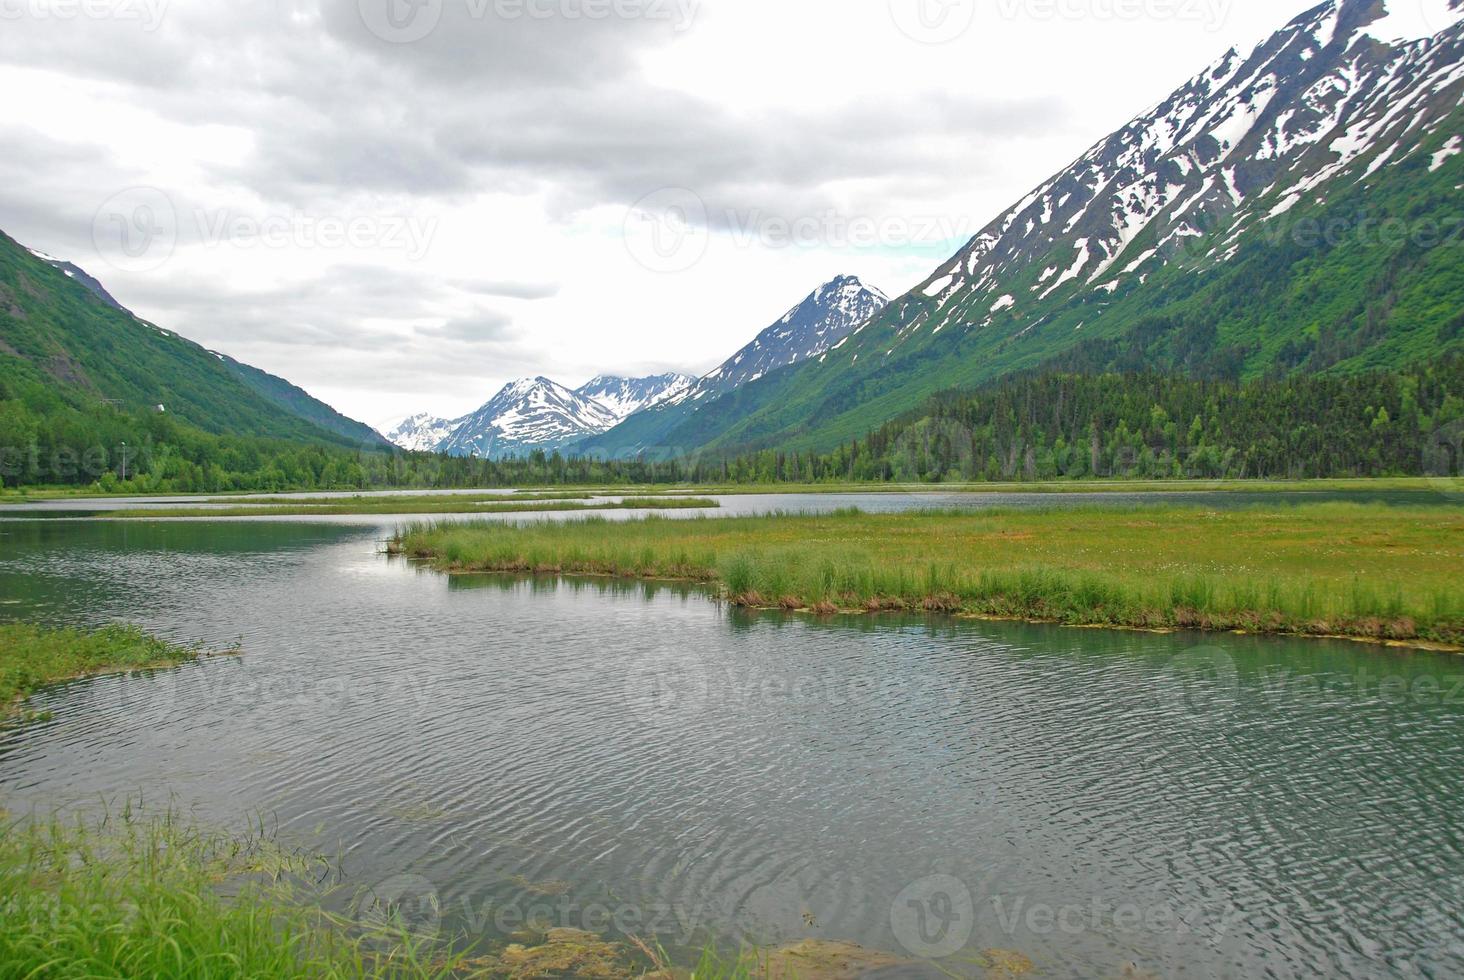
{"x": 400, "y": 205}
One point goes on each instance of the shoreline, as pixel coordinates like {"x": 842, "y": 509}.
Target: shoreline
{"x": 1374, "y": 575}
{"x": 39, "y": 657}
{"x": 1361, "y": 484}
{"x": 716, "y": 593}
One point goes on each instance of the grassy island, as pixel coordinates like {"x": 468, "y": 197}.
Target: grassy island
{"x": 1365, "y": 571}
{"x": 33, "y": 656}
{"x": 447, "y": 504}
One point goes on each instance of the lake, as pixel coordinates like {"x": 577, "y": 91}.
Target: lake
{"x": 638, "y": 758}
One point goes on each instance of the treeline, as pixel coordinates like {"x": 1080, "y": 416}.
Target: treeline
{"x": 1036, "y": 427}
{"x": 47, "y": 444}
{"x": 1147, "y": 426}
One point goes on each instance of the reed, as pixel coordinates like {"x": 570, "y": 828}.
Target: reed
{"x": 127, "y": 896}
{"x": 1368, "y": 571}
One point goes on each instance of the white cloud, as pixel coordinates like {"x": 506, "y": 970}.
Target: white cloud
{"x": 447, "y": 214}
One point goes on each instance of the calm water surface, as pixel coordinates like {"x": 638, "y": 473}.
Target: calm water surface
{"x": 621, "y": 757}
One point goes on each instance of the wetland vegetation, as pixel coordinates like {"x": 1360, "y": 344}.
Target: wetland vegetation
{"x": 1365, "y": 571}
{"x": 33, "y": 656}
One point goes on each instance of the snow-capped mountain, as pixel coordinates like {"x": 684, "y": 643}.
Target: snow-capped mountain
{"x": 1232, "y": 229}
{"x": 1243, "y": 142}
{"x": 422, "y": 433}
{"x": 816, "y": 325}
{"x": 534, "y": 413}
{"x": 823, "y": 321}
{"x": 626, "y": 396}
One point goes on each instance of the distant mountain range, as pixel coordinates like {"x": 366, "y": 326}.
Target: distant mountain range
{"x": 539, "y": 414}
{"x": 62, "y": 334}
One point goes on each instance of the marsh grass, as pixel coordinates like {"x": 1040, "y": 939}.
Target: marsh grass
{"x": 457, "y": 504}
{"x": 1367, "y": 571}
{"x": 126, "y": 896}
{"x": 33, "y": 656}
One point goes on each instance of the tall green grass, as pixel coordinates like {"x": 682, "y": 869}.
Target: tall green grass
{"x": 1367, "y": 571}
{"x": 126, "y": 897}
{"x": 33, "y": 656}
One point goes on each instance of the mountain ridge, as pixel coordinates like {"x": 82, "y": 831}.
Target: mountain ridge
{"x": 62, "y": 333}
{"x": 809, "y": 329}
{"x": 1188, "y": 213}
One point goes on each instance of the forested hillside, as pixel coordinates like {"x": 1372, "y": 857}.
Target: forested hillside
{"x": 1066, "y": 426}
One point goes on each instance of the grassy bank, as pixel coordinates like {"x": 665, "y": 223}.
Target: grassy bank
{"x": 33, "y": 656}
{"x": 459, "y": 504}
{"x": 125, "y": 897}
{"x": 1388, "y": 573}
{"x": 1426, "y": 487}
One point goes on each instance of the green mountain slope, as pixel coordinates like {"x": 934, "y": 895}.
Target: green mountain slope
{"x": 62, "y": 346}
{"x": 1295, "y": 210}
{"x": 299, "y": 402}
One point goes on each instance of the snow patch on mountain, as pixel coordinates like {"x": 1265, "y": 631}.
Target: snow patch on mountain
{"x": 626, "y": 396}
{"x": 1244, "y": 141}
{"x": 421, "y": 433}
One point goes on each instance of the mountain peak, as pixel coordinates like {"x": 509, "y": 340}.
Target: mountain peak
{"x": 818, "y": 324}
{"x": 626, "y": 396}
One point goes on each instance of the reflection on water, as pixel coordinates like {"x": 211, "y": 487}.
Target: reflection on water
{"x": 618, "y": 756}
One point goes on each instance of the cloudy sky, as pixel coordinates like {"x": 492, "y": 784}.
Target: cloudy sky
{"x": 401, "y": 205}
